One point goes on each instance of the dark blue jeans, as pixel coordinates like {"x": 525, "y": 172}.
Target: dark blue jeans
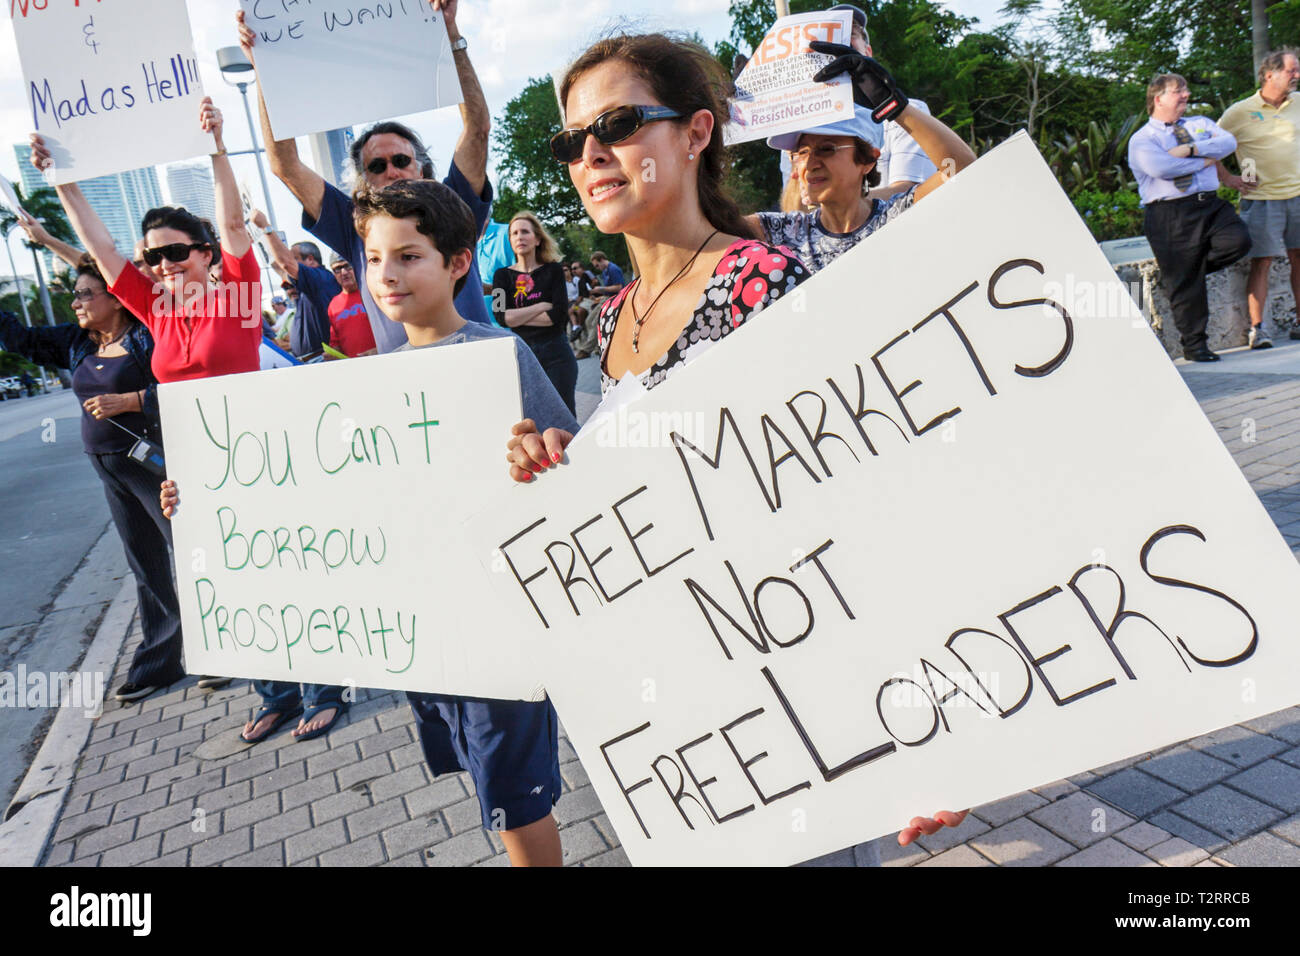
{"x": 281, "y": 696}
{"x": 146, "y": 535}
{"x": 555, "y": 356}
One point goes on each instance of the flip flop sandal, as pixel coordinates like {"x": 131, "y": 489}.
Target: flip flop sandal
{"x": 312, "y": 710}
{"x": 282, "y": 716}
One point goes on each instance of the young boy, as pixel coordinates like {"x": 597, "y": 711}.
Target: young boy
{"x": 419, "y": 239}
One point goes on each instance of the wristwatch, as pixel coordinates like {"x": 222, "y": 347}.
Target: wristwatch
{"x": 459, "y": 44}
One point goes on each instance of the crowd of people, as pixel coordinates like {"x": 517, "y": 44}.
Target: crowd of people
{"x": 417, "y": 263}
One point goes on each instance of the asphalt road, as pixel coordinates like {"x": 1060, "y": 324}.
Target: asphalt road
{"x": 52, "y": 513}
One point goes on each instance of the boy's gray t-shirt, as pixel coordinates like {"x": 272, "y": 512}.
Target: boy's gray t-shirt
{"x": 537, "y": 395}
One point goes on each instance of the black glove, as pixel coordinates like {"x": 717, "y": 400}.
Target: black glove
{"x": 872, "y": 84}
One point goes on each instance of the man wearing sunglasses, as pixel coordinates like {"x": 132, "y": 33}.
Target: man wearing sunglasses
{"x": 317, "y": 287}
{"x": 384, "y": 154}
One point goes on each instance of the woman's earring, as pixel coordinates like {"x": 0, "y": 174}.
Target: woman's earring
{"x": 690, "y": 155}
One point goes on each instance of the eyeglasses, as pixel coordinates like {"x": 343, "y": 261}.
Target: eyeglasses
{"x": 175, "y": 252}
{"x": 610, "y": 127}
{"x": 379, "y": 165}
{"x": 341, "y": 267}
{"x": 823, "y": 151}
{"x": 85, "y": 295}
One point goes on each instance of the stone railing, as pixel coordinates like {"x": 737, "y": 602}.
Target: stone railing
{"x": 1226, "y": 290}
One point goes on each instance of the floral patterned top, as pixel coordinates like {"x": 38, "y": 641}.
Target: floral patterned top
{"x": 749, "y": 277}
{"x": 817, "y": 246}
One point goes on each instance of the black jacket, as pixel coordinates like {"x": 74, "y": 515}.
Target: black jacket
{"x": 67, "y": 346}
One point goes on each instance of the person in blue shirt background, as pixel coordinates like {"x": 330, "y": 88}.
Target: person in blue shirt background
{"x": 1191, "y": 230}
{"x": 386, "y": 153}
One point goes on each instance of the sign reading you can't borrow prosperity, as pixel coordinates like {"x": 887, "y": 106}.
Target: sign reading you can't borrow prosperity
{"x": 943, "y": 525}
{"x": 315, "y": 539}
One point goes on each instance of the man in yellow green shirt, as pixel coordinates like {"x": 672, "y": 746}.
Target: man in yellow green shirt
{"x": 1267, "y": 127}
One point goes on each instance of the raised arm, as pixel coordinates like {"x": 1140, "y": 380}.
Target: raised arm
{"x": 472, "y": 147}
{"x": 90, "y": 229}
{"x": 282, "y": 259}
{"x": 38, "y": 234}
{"x": 945, "y": 149}
{"x": 230, "y": 209}
{"x": 304, "y": 182}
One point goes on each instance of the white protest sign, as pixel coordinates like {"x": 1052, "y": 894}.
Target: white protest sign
{"x": 959, "y": 541}
{"x": 111, "y": 85}
{"x": 9, "y": 198}
{"x": 367, "y": 61}
{"x": 311, "y": 540}
{"x": 775, "y": 92}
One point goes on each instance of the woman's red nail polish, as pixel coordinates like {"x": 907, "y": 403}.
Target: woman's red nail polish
{"x": 556, "y": 458}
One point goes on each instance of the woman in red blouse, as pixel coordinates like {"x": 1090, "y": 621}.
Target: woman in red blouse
{"x": 200, "y": 328}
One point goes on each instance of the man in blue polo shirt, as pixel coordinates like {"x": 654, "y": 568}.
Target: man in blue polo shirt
{"x": 384, "y": 154}
{"x": 1191, "y": 230}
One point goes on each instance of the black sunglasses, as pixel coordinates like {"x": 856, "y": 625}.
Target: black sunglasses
{"x": 174, "y": 252}
{"x": 610, "y": 127}
{"x": 378, "y": 165}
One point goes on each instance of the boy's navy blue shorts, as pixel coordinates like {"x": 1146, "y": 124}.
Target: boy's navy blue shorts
{"x": 510, "y": 748}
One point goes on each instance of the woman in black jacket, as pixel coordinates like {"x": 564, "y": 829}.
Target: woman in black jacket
{"x": 109, "y": 354}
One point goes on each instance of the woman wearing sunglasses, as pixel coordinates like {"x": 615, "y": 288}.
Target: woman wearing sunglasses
{"x": 530, "y": 298}
{"x": 109, "y": 355}
{"x": 644, "y": 150}
{"x": 199, "y": 328}
{"x": 835, "y": 164}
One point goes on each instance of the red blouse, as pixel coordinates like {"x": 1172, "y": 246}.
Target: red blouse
{"x": 219, "y": 335}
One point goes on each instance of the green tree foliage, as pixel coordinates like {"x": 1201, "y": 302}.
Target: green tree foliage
{"x": 530, "y": 176}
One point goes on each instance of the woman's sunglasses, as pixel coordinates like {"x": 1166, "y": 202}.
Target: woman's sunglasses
{"x": 610, "y": 127}
{"x": 175, "y": 252}
{"x": 378, "y": 165}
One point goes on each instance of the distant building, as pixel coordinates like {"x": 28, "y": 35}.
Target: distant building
{"x": 120, "y": 199}
{"x": 331, "y": 156}
{"x": 190, "y": 185}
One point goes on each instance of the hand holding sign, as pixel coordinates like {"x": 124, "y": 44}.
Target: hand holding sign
{"x": 211, "y": 121}
{"x": 529, "y": 452}
{"x": 873, "y": 85}
{"x": 928, "y": 826}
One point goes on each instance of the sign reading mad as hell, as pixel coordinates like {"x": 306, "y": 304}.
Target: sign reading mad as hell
{"x": 110, "y": 86}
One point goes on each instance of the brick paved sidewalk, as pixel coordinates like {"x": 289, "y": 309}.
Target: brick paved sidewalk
{"x": 362, "y": 795}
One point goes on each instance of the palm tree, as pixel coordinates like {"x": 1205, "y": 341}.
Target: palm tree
{"x": 43, "y": 205}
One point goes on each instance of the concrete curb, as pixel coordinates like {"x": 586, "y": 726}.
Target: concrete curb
{"x": 34, "y": 812}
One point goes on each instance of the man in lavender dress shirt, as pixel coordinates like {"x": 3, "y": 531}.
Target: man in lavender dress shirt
{"x": 1191, "y": 230}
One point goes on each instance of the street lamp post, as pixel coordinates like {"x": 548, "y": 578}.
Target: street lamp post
{"x": 232, "y": 61}
{"x": 14, "y": 269}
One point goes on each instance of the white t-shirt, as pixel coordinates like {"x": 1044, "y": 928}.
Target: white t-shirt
{"x": 901, "y": 157}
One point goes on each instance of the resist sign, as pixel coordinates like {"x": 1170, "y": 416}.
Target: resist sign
{"x": 311, "y": 542}
{"x": 942, "y": 525}
{"x": 111, "y": 86}
{"x": 775, "y": 92}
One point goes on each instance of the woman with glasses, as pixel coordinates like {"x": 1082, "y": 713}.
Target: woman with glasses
{"x": 834, "y": 165}
{"x": 639, "y": 103}
{"x": 200, "y": 328}
{"x": 529, "y": 297}
{"x": 109, "y": 354}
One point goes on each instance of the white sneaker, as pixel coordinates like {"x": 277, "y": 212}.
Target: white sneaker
{"x": 1258, "y": 338}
